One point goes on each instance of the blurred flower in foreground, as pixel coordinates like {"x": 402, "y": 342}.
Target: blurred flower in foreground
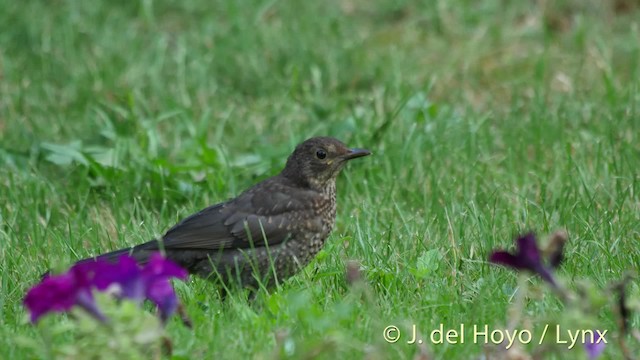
{"x": 149, "y": 282}
{"x": 527, "y": 257}
{"x": 594, "y": 348}
{"x": 59, "y": 293}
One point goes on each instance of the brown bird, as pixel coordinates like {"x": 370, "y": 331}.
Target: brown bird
{"x": 268, "y": 232}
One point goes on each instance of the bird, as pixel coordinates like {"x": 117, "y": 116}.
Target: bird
{"x": 267, "y": 233}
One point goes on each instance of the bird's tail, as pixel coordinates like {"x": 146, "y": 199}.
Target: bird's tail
{"x": 141, "y": 253}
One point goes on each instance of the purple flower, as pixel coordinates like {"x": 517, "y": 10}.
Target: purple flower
{"x": 149, "y": 282}
{"x": 527, "y": 257}
{"x": 59, "y": 293}
{"x": 594, "y": 349}
{"x": 126, "y": 275}
{"x": 158, "y": 288}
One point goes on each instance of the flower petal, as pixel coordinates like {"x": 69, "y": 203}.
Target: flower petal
{"x": 56, "y": 293}
{"x": 156, "y": 276}
{"x": 594, "y": 349}
{"x": 528, "y": 248}
{"x": 85, "y": 300}
{"x": 544, "y": 273}
{"x": 87, "y": 272}
{"x": 126, "y": 274}
{"x": 505, "y": 258}
{"x": 161, "y": 292}
{"x": 526, "y": 258}
{"x": 159, "y": 265}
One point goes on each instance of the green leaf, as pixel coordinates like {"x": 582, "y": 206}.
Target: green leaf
{"x": 64, "y": 154}
{"x": 427, "y": 263}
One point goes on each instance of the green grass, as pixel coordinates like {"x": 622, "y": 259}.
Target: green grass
{"x": 485, "y": 118}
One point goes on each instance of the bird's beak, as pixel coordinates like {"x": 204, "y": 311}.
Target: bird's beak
{"x": 356, "y": 153}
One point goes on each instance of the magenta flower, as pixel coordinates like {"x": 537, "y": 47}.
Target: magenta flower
{"x": 158, "y": 288}
{"x": 59, "y": 293}
{"x": 149, "y": 282}
{"x": 125, "y": 274}
{"x": 527, "y": 257}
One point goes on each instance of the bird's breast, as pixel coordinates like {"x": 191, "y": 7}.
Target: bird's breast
{"x": 327, "y": 207}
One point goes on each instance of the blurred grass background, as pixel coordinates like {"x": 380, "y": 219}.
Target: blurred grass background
{"x": 485, "y": 118}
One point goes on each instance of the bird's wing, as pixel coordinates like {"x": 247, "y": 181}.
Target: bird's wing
{"x": 244, "y": 222}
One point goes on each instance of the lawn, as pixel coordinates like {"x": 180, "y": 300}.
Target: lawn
{"x": 485, "y": 118}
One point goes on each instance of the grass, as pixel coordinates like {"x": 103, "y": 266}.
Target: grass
{"x": 485, "y": 118}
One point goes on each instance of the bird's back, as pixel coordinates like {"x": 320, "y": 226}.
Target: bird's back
{"x": 275, "y": 224}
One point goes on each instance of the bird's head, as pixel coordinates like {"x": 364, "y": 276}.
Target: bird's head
{"x": 318, "y": 160}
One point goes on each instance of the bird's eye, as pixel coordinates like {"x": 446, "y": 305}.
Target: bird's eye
{"x": 321, "y": 154}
